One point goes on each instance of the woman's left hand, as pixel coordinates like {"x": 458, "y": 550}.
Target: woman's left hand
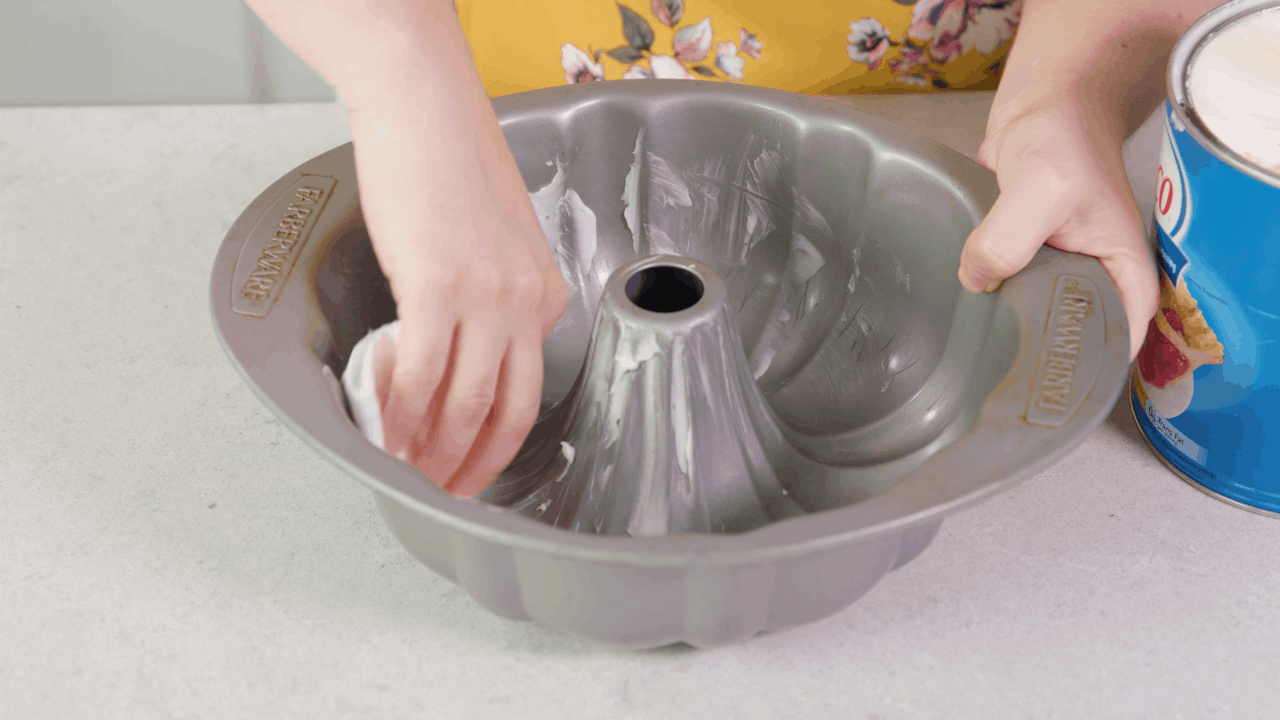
{"x": 1062, "y": 183}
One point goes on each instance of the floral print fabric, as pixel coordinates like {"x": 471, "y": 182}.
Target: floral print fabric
{"x": 816, "y": 46}
{"x": 940, "y": 32}
{"x": 690, "y": 55}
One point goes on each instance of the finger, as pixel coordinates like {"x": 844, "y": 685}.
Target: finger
{"x": 519, "y": 392}
{"x": 1134, "y": 274}
{"x": 422, "y": 356}
{"x": 384, "y": 363}
{"x": 1022, "y": 218}
{"x": 469, "y": 395}
{"x": 419, "y": 448}
{"x": 1112, "y": 231}
{"x": 555, "y": 299}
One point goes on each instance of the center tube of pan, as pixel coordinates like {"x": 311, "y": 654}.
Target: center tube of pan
{"x": 664, "y": 289}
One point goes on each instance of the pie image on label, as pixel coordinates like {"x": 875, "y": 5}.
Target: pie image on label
{"x": 1178, "y": 338}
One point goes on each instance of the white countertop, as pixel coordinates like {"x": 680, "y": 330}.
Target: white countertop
{"x": 169, "y": 550}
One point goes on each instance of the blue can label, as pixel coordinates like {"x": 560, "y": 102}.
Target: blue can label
{"x": 1206, "y": 389}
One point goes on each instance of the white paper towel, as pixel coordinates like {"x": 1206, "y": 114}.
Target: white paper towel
{"x": 360, "y": 386}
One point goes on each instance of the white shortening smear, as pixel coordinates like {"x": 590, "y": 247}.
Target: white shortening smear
{"x": 660, "y": 243}
{"x": 1234, "y": 84}
{"x": 584, "y": 235}
{"x": 666, "y": 184}
{"x": 681, "y": 422}
{"x": 635, "y": 349}
{"x": 630, "y": 196}
{"x": 615, "y": 400}
{"x": 763, "y": 173}
{"x": 567, "y": 450}
{"x": 546, "y": 204}
{"x": 763, "y": 359}
{"x": 900, "y": 274}
{"x": 804, "y": 264}
{"x": 666, "y": 187}
{"x": 806, "y": 259}
{"x": 569, "y": 225}
{"x": 857, "y": 269}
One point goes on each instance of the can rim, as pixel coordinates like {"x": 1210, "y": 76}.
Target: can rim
{"x": 1184, "y": 54}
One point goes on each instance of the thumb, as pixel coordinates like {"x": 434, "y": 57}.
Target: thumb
{"x": 1022, "y": 218}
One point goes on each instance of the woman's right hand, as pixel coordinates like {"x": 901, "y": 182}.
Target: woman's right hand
{"x": 475, "y": 285}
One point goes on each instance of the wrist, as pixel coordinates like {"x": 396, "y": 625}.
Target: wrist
{"x": 407, "y": 73}
{"x": 1113, "y": 79}
{"x": 365, "y": 48}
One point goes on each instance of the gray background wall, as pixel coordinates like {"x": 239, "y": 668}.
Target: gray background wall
{"x": 113, "y": 52}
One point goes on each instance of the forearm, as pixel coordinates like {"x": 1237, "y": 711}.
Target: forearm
{"x": 402, "y": 64}
{"x": 369, "y": 49}
{"x": 1109, "y": 56}
{"x": 405, "y": 71}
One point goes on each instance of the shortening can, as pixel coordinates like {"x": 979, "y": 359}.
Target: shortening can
{"x": 1206, "y": 386}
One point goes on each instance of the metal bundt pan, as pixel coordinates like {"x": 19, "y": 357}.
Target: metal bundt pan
{"x": 826, "y": 242}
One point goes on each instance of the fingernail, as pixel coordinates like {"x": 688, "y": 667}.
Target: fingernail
{"x": 402, "y": 455}
{"x": 992, "y": 285}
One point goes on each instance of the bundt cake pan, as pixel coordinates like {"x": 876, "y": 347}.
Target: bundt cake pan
{"x": 874, "y": 396}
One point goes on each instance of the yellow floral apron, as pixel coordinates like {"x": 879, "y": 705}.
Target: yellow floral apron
{"x": 809, "y": 46}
